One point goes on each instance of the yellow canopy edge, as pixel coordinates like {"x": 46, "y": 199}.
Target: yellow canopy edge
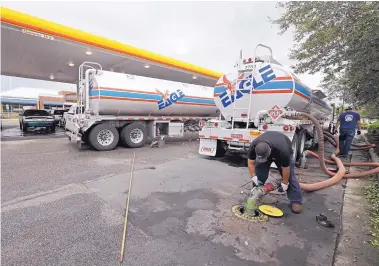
{"x": 22, "y": 20}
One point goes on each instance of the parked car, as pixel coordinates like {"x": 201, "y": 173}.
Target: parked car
{"x": 36, "y": 118}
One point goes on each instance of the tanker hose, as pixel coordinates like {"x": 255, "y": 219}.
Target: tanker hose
{"x": 335, "y": 177}
{"x": 256, "y": 193}
{"x": 334, "y": 141}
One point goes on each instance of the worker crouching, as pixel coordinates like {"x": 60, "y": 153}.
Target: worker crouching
{"x": 275, "y": 147}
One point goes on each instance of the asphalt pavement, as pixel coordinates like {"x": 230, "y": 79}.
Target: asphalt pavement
{"x": 64, "y": 206}
{"x": 8, "y": 123}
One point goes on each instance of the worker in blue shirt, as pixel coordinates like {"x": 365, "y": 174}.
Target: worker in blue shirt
{"x": 348, "y": 122}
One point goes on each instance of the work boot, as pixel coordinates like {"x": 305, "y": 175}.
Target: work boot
{"x": 296, "y": 207}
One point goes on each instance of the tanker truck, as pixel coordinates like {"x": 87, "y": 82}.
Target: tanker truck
{"x": 116, "y": 107}
{"x": 255, "y": 98}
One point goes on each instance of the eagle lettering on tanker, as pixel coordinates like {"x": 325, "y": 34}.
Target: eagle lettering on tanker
{"x": 266, "y": 73}
{"x": 168, "y": 100}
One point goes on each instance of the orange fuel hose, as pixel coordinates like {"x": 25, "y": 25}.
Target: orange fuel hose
{"x": 328, "y": 182}
{"x": 335, "y": 177}
{"x": 334, "y": 140}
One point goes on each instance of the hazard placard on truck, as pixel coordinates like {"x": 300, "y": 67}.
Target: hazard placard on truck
{"x": 275, "y": 112}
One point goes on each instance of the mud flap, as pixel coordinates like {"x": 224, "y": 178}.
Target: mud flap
{"x": 208, "y": 147}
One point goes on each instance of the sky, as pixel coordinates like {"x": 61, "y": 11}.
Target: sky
{"x": 208, "y": 34}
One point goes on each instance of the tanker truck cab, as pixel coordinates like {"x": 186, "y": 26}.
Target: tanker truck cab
{"x": 128, "y": 109}
{"x": 71, "y": 118}
{"x": 257, "y": 97}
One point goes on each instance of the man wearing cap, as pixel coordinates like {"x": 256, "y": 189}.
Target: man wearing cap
{"x": 275, "y": 147}
{"x": 348, "y": 122}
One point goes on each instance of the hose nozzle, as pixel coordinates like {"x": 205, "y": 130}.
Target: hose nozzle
{"x": 251, "y": 204}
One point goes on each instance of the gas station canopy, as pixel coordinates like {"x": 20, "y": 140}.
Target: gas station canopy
{"x": 39, "y": 49}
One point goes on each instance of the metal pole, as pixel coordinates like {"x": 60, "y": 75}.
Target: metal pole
{"x": 127, "y": 211}
{"x": 334, "y": 111}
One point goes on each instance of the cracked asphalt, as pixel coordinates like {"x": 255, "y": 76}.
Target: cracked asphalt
{"x": 64, "y": 206}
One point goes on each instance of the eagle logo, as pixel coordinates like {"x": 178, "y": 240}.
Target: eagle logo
{"x": 164, "y": 95}
{"x": 231, "y": 85}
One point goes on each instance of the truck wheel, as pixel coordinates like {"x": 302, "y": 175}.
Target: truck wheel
{"x": 315, "y": 135}
{"x": 301, "y": 143}
{"x": 134, "y": 135}
{"x": 294, "y": 146}
{"x": 221, "y": 149}
{"x": 103, "y": 137}
{"x": 85, "y": 138}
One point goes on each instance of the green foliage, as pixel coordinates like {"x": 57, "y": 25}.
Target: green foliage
{"x": 371, "y": 112}
{"x": 373, "y": 129}
{"x": 372, "y": 195}
{"x": 341, "y": 40}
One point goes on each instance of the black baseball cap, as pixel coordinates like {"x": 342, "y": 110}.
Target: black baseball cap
{"x": 262, "y": 151}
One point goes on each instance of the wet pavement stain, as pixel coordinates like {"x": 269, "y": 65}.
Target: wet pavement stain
{"x": 189, "y": 222}
{"x": 181, "y": 206}
{"x": 15, "y": 133}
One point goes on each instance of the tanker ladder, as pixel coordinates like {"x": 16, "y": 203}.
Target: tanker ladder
{"x": 240, "y": 113}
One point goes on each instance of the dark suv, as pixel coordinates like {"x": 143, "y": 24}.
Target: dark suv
{"x": 34, "y": 118}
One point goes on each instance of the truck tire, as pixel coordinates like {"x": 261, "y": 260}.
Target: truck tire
{"x": 85, "y": 138}
{"x": 221, "y": 149}
{"x": 301, "y": 137}
{"x": 314, "y": 144}
{"x": 134, "y": 135}
{"x": 103, "y": 137}
{"x": 295, "y": 143}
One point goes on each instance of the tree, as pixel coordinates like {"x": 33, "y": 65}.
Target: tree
{"x": 370, "y": 112}
{"x": 341, "y": 40}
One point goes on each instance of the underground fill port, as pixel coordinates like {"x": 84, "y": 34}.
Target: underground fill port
{"x": 242, "y": 211}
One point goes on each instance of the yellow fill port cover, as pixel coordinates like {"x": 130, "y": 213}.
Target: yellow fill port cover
{"x": 271, "y": 211}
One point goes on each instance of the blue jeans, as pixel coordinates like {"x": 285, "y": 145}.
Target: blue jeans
{"x": 345, "y": 139}
{"x": 294, "y": 192}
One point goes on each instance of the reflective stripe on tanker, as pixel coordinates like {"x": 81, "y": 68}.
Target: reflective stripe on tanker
{"x": 223, "y": 138}
{"x": 129, "y": 95}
